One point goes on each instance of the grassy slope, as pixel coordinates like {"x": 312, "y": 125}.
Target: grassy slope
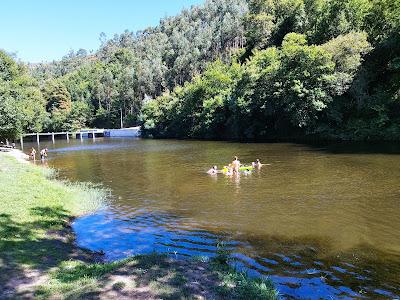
{"x": 35, "y": 212}
{"x": 39, "y": 259}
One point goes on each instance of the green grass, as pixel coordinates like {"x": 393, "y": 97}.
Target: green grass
{"x": 238, "y": 285}
{"x": 34, "y": 203}
{"x": 25, "y": 186}
{"x": 35, "y": 212}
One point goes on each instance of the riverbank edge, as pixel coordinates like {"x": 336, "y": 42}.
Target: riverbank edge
{"x": 294, "y": 140}
{"x": 16, "y": 153}
{"x": 82, "y": 273}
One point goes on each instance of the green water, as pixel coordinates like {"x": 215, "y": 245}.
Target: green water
{"x": 322, "y": 221}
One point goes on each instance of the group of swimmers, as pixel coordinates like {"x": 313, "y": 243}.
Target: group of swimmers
{"x": 43, "y": 154}
{"x": 235, "y": 167}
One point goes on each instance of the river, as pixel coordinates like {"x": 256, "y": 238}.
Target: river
{"x": 320, "y": 221}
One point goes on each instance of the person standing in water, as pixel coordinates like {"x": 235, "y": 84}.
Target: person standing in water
{"x": 43, "y": 154}
{"x": 258, "y": 163}
{"x": 236, "y": 165}
{"x": 33, "y": 154}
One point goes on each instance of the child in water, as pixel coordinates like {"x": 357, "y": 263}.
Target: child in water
{"x": 213, "y": 170}
{"x": 33, "y": 154}
{"x": 256, "y": 164}
{"x": 230, "y": 171}
{"x": 43, "y": 154}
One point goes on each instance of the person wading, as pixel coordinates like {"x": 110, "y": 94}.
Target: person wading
{"x": 43, "y": 154}
{"x": 33, "y": 154}
{"x": 236, "y": 165}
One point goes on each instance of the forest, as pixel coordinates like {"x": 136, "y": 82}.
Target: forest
{"x": 243, "y": 70}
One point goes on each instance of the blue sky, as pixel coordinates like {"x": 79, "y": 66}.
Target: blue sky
{"x": 43, "y": 30}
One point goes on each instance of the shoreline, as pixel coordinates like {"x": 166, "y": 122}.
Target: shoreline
{"x": 18, "y": 154}
{"x": 40, "y": 259}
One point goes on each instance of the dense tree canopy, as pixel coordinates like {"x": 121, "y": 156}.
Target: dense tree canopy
{"x": 22, "y": 107}
{"x": 276, "y": 90}
{"x": 321, "y": 68}
{"x": 240, "y": 69}
{"x": 132, "y": 67}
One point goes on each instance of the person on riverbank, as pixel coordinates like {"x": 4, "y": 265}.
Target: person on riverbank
{"x": 33, "y": 154}
{"x": 213, "y": 170}
{"x": 43, "y": 154}
{"x": 236, "y": 165}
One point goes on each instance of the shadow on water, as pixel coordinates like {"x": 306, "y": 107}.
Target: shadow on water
{"x": 353, "y": 147}
{"x": 310, "y": 266}
{"x": 299, "y": 267}
{"x": 334, "y": 147}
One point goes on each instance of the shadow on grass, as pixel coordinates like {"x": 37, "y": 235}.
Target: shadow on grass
{"x": 41, "y": 243}
{"x": 44, "y": 245}
{"x": 158, "y": 276}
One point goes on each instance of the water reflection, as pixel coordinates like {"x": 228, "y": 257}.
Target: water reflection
{"x": 319, "y": 220}
{"x": 142, "y": 232}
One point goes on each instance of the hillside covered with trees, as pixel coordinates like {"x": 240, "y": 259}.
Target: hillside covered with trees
{"x": 326, "y": 69}
{"x": 258, "y": 69}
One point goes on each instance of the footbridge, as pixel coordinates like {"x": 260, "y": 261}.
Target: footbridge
{"x": 83, "y": 133}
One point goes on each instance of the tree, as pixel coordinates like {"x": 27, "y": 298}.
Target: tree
{"x": 8, "y": 68}
{"x": 57, "y": 96}
{"x": 79, "y": 116}
{"x": 239, "y": 69}
{"x": 22, "y": 107}
{"x": 58, "y": 105}
{"x": 10, "y": 115}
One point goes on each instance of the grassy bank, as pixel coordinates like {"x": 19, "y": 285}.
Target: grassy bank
{"x": 38, "y": 257}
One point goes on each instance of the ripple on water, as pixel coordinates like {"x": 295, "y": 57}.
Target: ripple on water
{"x": 294, "y": 275}
{"x": 321, "y": 220}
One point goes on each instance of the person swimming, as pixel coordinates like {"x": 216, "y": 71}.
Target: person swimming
{"x": 213, "y": 170}
{"x": 229, "y": 171}
{"x": 246, "y": 172}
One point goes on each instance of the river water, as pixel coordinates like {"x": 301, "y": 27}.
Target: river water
{"x": 320, "y": 221}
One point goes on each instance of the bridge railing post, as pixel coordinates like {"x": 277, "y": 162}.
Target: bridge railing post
{"x": 52, "y": 137}
{"x": 21, "y": 139}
